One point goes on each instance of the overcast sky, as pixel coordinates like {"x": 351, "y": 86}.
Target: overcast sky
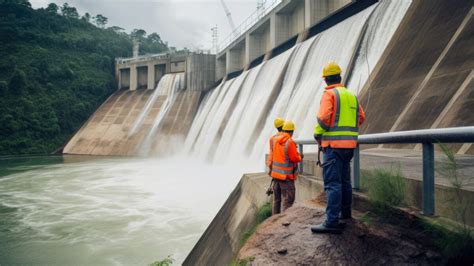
{"x": 182, "y": 23}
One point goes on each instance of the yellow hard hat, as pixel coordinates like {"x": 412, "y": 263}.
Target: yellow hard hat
{"x": 279, "y": 122}
{"x": 289, "y": 126}
{"x": 331, "y": 68}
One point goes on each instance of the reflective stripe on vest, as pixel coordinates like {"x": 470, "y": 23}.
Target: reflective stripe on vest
{"x": 287, "y": 162}
{"x": 281, "y": 170}
{"x": 346, "y": 122}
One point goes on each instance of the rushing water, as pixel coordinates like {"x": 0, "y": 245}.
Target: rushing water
{"x": 105, "y": 211}
{"x": 235, "y": 121}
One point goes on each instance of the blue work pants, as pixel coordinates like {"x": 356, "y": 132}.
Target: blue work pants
{"x": 337, "y": 183}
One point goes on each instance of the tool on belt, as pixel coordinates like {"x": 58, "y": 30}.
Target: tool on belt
{"x": 270, "y": 189}
{"x": 318, "y": 163}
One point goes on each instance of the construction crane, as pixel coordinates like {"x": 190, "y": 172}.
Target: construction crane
{"x": 229, "y": 18}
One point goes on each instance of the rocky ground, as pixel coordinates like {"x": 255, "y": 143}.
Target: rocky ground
{"x": 286, "y": 239}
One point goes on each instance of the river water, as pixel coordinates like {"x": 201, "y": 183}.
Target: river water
{"x": 106, "y": 211}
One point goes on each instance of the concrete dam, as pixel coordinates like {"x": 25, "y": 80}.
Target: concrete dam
{"x": 411, "y": 63}
{"x": 167, "y": 98}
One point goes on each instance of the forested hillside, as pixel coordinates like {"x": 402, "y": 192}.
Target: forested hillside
{"x": 56, "y": 68}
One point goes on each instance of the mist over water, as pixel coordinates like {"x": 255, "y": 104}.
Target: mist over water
{"x": 109, "y": 210}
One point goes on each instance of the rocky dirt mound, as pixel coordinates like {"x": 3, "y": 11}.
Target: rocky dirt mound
{"x": 286, "y": 239}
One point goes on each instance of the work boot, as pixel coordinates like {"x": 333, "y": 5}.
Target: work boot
{"x": 342, "y": 225}
{"x": 323, "y": 229}
{"x": 345, "y": 218}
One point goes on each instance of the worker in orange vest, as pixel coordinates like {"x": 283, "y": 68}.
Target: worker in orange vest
{"x": 284, "y": 161}
{"x": 278, "y": 123}
{"x": 339, "y": 117}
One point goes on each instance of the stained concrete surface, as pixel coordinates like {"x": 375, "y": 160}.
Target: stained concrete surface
{"x": 428, "y": 59}
{"x": 107, "y": 132}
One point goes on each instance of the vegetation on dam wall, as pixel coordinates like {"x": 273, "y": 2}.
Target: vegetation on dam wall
{"x": 56, "y": 68}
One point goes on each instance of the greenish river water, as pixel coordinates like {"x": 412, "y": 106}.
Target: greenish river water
{"x": 77, "y": 210}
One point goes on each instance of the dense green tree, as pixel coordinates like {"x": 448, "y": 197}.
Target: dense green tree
{"x": 52, "y": 8}
{"x": 18, "y": 82}
{"x": 63, "y": 70}
{"x": 100, "y": 21}
{"x": 69, "y": 11}
{"x": 138, "y": 34}
{"x": 154, "y": 38}
{"x": 17, "y": 2}
{"x": 3, "y": 87}
{"x": 116, "y": 29}
{"x": 86, "y": 17}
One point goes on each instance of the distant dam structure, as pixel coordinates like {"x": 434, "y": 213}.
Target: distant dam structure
{"x": 133, "y": 118}
{"x": 219, "y": 107}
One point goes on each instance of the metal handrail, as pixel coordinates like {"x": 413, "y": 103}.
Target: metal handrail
{"x": 147, "y": 57}
{"x": 249, "y": 22}
{"x": 427, "y": 137}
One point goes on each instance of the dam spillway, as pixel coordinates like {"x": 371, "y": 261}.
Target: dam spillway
{"x": 205, "y": 123}
{"x": 128, "y": 121}
{"x": 289, "y": 85}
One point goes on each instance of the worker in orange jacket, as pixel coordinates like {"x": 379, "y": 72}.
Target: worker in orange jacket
{"x": 278, "y": 123}
{"x": 339, "y": 117}
{"x": 284, "y": 161}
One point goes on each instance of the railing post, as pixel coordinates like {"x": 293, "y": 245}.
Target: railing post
{"x": 356, "y": 168}
{"x": 300, "y": 148}
{"x": 428, "y": 179}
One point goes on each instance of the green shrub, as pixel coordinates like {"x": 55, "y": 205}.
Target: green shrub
{"x": 385, "y": 187}
{"x": 455, "y": 243}
{"x": 455, "y": 240}
{"x": 164, "y": 262}
{"x": 242, "y": 262}
{"x": 262, "y": 214}
{"x": 459, "y": 204}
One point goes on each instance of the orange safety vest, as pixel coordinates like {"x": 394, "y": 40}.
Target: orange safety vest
{"x": 329, "y": 128}
{"x": 272, "y": 143}
{"x": 284, "y": 158}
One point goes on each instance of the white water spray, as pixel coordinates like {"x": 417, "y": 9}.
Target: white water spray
{"x": 223, "y": 132}
{"x": 171, "y": 85}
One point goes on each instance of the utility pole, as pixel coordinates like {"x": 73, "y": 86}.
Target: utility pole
{"x": 215, "y": 37}
{"x": 136, "y": 45}
{"x": 260, "y": 7}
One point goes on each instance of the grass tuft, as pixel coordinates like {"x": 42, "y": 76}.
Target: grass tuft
{"x": 385, "y": 186}
{"x": 164, "y": 262}
{"x": 262, "y": 214}
{"x": 242, "y": 262}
